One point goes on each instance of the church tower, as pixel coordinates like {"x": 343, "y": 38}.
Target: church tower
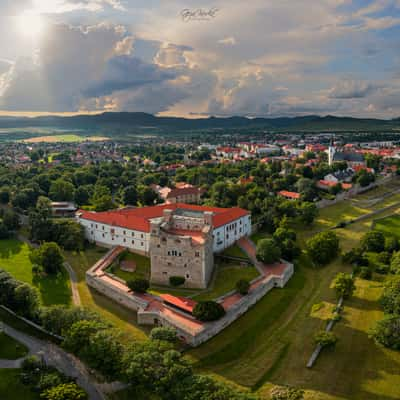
{"x": 331, "y": 152}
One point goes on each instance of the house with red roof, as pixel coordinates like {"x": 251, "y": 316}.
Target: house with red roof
{"x": 180, "y": 238}
{"x": 289, "y": 195}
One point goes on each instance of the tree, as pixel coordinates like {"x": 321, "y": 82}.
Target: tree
{"x": 26, "y": 300}
{"x": 69, "y": 234}
{"x": 40, "y": 224}
{"x": 268, "y": 251}
{"x": 130, "y": 196}
{"x": 373, "y": 241}
{"x": 5, "y": 195}
{"x": 391, "y": 244}
{"x": 4, "y": 233}
{"x": 387, "y": 332}
{"x": 208, "y": 311}
{"x": 138, "y": 285}
{"x": 65, "y": 391}
{"x": 307, "y": 212}
{"x": 282, "y": 234}
{"x": 81, "y": 196}
{"x": 286, "y": 393}
{"x": 48, "y": 256}
{"x": 395, "y": 263}
{"x": 61, "y": 190}
{"x": 243, "y": 286}
{"x": 163, "y": 333}
{"x": 325, "y": 339}
{"x": 344, "y": 285}
{"x": 289, "y": 250}
{"x": 323, "y": 247}
{"x": 11, "y": 220}
{"x": 390, "y": 299}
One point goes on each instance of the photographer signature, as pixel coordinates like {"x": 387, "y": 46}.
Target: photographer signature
{"x": 198, "y": 14}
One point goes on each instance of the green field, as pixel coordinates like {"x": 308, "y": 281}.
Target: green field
{"x": 10, "y": 349}
{"x": 390, "y": 226}
{"x": 272, "y": 342}
{"x": 14, "y": 258}
{"x": 123, "y": 319}
{"x": 226, "y": 276}
{"x": 11, "y": 387}
{"x": 66, "y": 138}
{"x": 142, "y": 267}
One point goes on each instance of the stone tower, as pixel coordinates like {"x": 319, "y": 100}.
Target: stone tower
{"x": 331, "y": 152}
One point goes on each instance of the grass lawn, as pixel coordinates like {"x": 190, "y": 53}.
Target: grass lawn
{"x": 390, "y": 226}
{"x": 68, "y": 138}
{"x": 10, "y": 349}
{"x": 225, "y": 280}
{"x": 142, "y": 267}
{"x": 11, "y": 387}
{"x": 14, "y": 258}
{"x": 272, "y": 342}
{"x": 255, "y": 237}
{"x": 123, "y": 319}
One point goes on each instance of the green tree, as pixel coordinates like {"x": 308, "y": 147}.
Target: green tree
{"x": 130, "y": 195}
{"x": 61, "y": 190}
{"x": 164, "y": 333}
{"x": 373, "y": 241}
{"x": 307, "y": 212}
{"x": 65, "y": 391}
{"x": 26, "y": 300}
{"x": 48, "y": 256}
{"x": 390, "y": 299}
{"x": 387, "y": 332}
{"x": 268, "y": 251}
{"x": 243, "y": 286}
{"x": 325, "y": 339}
{"x": 395, "y": 263}
{"x": 344, "y": 285}
{"x": 208, "y": 311}
{"x": 323, "y": 247}
{"x": 138, "y": 285}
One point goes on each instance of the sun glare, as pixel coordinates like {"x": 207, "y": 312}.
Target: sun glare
{"x": 30, "y": 25}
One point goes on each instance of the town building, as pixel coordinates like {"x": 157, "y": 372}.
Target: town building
{"x": 179, "y": 238}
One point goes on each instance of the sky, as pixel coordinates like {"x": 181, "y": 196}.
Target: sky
{"x": 265, "y": 58}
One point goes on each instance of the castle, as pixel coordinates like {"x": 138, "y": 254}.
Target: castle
{"x": 179, "y": 238}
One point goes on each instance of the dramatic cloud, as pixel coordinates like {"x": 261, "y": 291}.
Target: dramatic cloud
{"x": 351, "y": 89}
{"x": 266, "y": 58}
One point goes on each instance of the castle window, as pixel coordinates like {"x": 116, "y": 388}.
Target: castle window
{"x": 180, "y": 254}
{"x": 177, "y": 241}
{"x": 163, "y": 239}
{"x": 133, "y": 234}
{"x": 165, "y": 273}
{"x": 187, "y": 276}
{"x": 169, "y": 253}
{"x": 133, "y": 242}
{"x": 91, "y": 225}
{"x": 158, "y": 246}
{"x": 197, "y": 254}
{"x": 169, "y": 264}
{"x": 124, "y": 240}
{"x": 124, "y": 232}
{"x": 141, "y": 244}
{"x": 112, "y": 230}
{"x": 91, "y": 232}
{"x": 103, "y": 235}
{"x": 102, "y": 227}
{"x": 96, "y": 226}
{"x": 141, "y": 235}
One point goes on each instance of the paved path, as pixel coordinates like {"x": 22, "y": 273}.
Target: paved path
{"x": 76, "y": 299}
{"x": 56, "y": 357}
{"x": 248, "y": 246}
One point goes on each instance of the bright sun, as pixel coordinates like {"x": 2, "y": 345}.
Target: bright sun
{"x": 30, "y": 25}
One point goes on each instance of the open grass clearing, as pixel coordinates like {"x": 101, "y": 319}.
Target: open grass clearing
{"x": 389, "y": 226}
{"x": 67, "y": 138}
{"x": 10, "y": 349}
{"x": 14, "y": 258}
{"x": 11, "y": 387}
{"x": 122, "y": 318}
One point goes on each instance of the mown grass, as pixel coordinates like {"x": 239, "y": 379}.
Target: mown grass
{"x": 390, "y": 226}
{"x": 225, "y": 280}
{"x": 10, "y": 349}
{"x": 271, "y": 343}
{"x": 14, "y": 258}
{"x": 122, "y": 318}
{"x": 11, "y": 387}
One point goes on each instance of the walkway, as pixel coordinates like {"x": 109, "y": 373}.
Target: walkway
{"x": 76, "y": 299}
{"x": 56, "y": 357}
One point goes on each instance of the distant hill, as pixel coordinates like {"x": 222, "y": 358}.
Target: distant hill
{"x": 116, "y": 121}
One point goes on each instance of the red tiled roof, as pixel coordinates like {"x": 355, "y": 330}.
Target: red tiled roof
{"x": 139, "y": 218}
{"x": 291, "y": 195}
{"x": 180, "y": 302}
{"x": 325, "y": 182}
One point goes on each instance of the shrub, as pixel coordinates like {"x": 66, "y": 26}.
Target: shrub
{"x": 138, "y": 285}
{"x": 65, "y": 391}
{"x": 344, "y": 285}
{"x": 286, "y": 393}
{"x": 243, "y": 286}
{"x": 176, "y": 280}
{"x": 384, "y": 257}
{"x": 391, "y": 244}
{"x": 163, "y": 333}
{"x": 323, "y": 247}
{"x": 365, "y": 273}
{"x": 395, "y": 263}
{"x": 208, "y": 311}
{"x": 49, "y": 256}
{"x": 373, "y": 241}
{"x": 390, "y": 298}
{"x": 268, "y": 251}
{"x": 387, "y": 332}
{"x": 325, "y": 339}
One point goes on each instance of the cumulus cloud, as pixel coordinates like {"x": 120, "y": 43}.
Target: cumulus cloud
{"x": 351, "y": 89}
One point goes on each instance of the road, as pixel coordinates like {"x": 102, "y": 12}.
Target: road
{"x": 56, "y": 357}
